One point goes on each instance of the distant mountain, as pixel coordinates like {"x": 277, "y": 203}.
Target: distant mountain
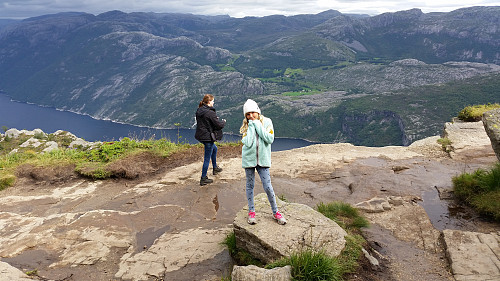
{"x": 311, "y": 73}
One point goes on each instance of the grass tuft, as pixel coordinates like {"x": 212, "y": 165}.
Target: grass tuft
{"x": 481, "y": 190}
{"x": 311, "y": 266}
{"x": 343, "y": 214}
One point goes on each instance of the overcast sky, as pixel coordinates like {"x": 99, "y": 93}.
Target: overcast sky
{"x": 29, "y": 8}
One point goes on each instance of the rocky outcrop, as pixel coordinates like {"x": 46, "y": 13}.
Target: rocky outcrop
{"x": 473, "y": 256}
{"x": 40, "y": 140}
{"x": 465, "y": 138}
{"x": 306, "y": 229}
{"x": 255, "y": 273}
{"x": 491, "y": 121}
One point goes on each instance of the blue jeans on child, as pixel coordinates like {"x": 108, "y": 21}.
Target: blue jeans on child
{"x": 265, "y": 177}
{"x": 210, "y": 154}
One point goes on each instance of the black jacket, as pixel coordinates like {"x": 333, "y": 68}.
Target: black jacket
{"x": 206, "y": 121}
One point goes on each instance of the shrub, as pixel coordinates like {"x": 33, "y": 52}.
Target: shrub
{"x": 481, "y": 190}
{"x": 475, "y": 112}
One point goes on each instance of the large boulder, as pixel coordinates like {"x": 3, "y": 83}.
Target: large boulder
{"x": 12, "y": 133}
{"x": 491, "y": 122}
{"x": 306, "y": 229}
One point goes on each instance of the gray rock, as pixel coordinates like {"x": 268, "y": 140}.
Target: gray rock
{"x": 465, "y": 136}
{"x": 255, "y": 273}
{"x": 491, "y": 121}
{"x": 12, "y": 133}
{"x": 80, "y": 143}
{"x": 306, "y": 229}
{"x": 370, "y": 258}
{"x": 375, "y": 205}
{"x": 32, "y": 142}
{"x": 50, "y": 145}
{"x": 8, "y": 272}
{"x": 64, "y": 133}
{"x": 472, "y": 255}
{"x": 39, "y": 132}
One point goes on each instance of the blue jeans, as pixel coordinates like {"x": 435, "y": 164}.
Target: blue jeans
{"x": 210, "y": 153}
{"x": 265, "y": 177}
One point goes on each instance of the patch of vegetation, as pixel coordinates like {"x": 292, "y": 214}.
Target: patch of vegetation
{"x": 344, "y": 215}
{"x": 474, "y": 113}
{"x": 480, "y": 190}
{"x": 445, "y": 144}
{"x": 33, "y": 272}
{"x": 92, "y": 162}
{"x": 313, "y": 265}
{"x": 240, "y": 256}
{"x": 6, "y": 180}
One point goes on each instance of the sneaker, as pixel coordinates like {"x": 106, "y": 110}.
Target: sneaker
{"x": 217, "y": 170}
{"x": 205, "y": 180}
{"x": 279, "y": 218}
{"x": 251, "y": 218}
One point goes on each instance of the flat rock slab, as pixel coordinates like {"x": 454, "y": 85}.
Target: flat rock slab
{"x": 473, "y": 256}
{"x": 306, "y": 229}
{"x": 8, "y": 272}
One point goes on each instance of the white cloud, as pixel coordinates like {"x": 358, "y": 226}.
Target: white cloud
{"x": 234, "y": 8}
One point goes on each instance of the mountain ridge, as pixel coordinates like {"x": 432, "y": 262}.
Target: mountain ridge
{"x": 152, "y": 69}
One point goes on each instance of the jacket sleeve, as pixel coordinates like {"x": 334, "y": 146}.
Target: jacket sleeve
{"x": 217, "y": 124}
{"x": 266, "y": 131}
{"x": 249, "y": 137}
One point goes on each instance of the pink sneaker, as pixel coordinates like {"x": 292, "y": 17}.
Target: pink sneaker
{"x": 251, "y": 218}
{"x": 279, "y": 218}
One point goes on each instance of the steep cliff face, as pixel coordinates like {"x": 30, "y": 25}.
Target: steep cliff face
{"x": 360, "y": 128}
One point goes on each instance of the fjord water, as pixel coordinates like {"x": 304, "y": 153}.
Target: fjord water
{"x": 29, "y": 116}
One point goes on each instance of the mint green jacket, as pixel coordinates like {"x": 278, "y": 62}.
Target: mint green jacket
{"x": 257, "y": 144}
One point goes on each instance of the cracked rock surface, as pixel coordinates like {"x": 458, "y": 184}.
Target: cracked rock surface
{"x": 167, "y": 227}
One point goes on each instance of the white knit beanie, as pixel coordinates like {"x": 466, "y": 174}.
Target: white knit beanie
{"x": 250, "y": 106}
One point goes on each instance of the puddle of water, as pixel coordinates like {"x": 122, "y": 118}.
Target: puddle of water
{"x": 442, "y": 213}
{"x": 147, "y": 237}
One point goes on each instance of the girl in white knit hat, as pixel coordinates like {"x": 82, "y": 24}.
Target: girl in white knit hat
{"x": 258, "y": 135}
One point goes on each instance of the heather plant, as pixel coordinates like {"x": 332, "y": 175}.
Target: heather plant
{"x": 475, "y": 112}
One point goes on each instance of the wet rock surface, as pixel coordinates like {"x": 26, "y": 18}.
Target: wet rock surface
{"x": 167, "y": 227}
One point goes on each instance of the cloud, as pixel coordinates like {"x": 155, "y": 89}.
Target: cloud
{"x": 30, "y": 8}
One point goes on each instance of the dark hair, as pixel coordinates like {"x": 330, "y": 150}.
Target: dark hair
{"x": 206, "y": 99}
